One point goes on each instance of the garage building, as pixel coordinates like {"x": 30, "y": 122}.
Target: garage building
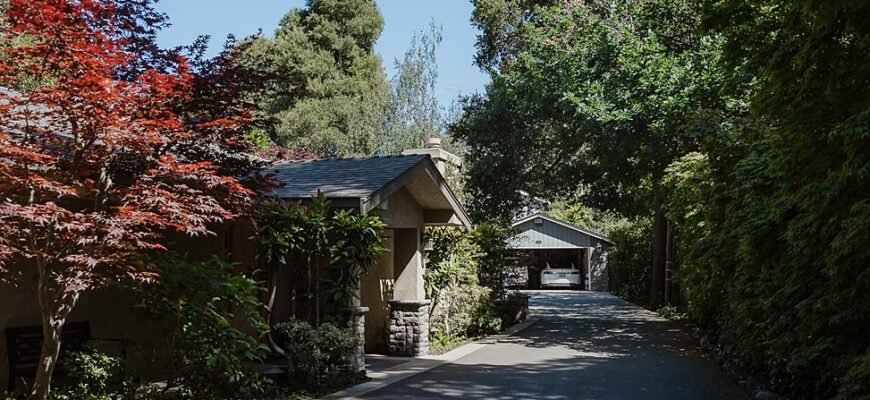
{"x": 543, "y": 240}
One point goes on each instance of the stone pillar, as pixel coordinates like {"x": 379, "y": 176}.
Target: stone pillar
{"x": 599, "y": 279}
{"x": 409, "y": 328}
{"x": 355, "y": 318}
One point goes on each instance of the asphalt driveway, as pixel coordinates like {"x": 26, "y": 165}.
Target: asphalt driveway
{"x": 584, "y": 346}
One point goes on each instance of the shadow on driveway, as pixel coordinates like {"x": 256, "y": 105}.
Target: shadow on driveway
{"x": 585, "y": 346}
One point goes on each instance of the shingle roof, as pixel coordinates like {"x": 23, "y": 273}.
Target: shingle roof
{"x": 340, "y": 178}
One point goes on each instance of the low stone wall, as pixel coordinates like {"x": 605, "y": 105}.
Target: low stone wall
{"x": 409, "y": 328}
{"x": 514, "y": 309}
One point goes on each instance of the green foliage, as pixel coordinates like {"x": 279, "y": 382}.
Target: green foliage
{"x": 671, "y": 312}
{"x": 326, "y": 91}
{"x": 348, "y": 241}
{"x": 501, "y": 23}
{"x": 583, "y": 109}
{"x": 96, "y": 376}
{"x": 318, "y": 355}
{"x": 414, "y": 113}
{"x": 217, "y": 326}
{"x": 442, "y": 343}
{"x": 355, "y": 244}
{"x": 467, "y": 311}
{"x": 459, "y": 262}
{"x": 775, "y": 214}
{"x": 578, "y": 214}
{"x": 451, "y": 262}
{"x": 491, "y": 240}
{"x": 470, "y": 257}
{"x": 630, "y": 259}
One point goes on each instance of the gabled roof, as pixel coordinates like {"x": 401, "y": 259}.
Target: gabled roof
{"x": 562, "y": 223}
{"x": 367, "y": 182}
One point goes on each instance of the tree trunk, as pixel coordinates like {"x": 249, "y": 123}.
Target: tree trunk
{"x": 670, "y": 294}
{"x": 54, "y": 307}
{"x": 660, "y": 233}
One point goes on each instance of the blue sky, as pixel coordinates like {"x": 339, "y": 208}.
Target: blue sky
{"x": 402, "y": 18}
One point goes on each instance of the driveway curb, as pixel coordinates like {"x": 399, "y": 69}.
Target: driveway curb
{"x": 416, "y": 366}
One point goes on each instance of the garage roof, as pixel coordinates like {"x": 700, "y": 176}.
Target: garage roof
{"x": 551, "y": 233}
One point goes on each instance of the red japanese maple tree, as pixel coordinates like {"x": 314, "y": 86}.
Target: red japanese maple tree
{"x": 95, "y": 164}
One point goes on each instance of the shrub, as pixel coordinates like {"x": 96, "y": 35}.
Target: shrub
{"x": 466, "y": 311}
{"x": 95, "y": 375}
{"x": 216, "y": 326}
{"x": 630, "y": 260}
{"x": 441, "y": 344}
{"x": 317, "y": 355}
{"x": 671, "y": 312}
{"x": 99, "y": 376}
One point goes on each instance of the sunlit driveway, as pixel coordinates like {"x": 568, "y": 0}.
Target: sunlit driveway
{"x": 585, "y": 346}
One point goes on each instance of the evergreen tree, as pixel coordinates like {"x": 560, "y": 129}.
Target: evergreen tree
{"x": 326, "y": 90}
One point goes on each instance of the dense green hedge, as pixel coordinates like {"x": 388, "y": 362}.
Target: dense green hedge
{"x": 630, "y": 259}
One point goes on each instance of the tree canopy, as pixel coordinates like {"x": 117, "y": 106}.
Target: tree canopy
{"x": 598, "y": 102}
{"x": 414, "y": 113}
{"x": 96, "y": 164}
{"x": 326, "y": 91}
{"x": 747, "y": 120}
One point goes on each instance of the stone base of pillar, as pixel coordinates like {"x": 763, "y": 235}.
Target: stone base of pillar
{"x": 355, "y": 318}
{"x": 409, "y": 328}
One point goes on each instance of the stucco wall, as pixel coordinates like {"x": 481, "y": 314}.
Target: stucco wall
{"x": 401, "y": 211}
{"x": 108, "y": 310}
{"x": 376, "y": 289}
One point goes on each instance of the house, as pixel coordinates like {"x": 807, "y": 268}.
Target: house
{"x": 542, "y": 240}
{"x": 408, "y": 193}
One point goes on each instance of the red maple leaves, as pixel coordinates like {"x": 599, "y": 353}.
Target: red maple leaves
{"x": 94, "y": 168}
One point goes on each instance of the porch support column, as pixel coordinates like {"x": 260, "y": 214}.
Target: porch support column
{"x": 408, "y": 264}
{"x": 409, "y": 309}
{"x": 409, "y": 328}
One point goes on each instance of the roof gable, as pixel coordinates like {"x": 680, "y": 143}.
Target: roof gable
{"x": 552, "y": 233}
{"x": 365, "y": 182}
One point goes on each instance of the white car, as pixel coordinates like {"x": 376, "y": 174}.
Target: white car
{"x": 556, "y": 277}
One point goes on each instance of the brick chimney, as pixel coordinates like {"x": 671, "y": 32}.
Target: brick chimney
{"x": 441, "y": 157}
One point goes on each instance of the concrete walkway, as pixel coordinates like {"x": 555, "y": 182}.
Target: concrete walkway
{"x": 584, "y": 346}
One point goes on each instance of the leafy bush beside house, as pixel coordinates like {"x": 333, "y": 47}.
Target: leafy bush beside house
{"x": 215, "y": 326}
{"x": 326, "y": 251}
{"x": 464, "y": 275}
{"x": 318, "y": 355}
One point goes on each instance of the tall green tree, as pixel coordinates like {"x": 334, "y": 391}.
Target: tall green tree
{"x": 502, "y": 31}
{"x": 327, "y": 92}
{"x": 598, "y": 99}
{"x": 776, "y": 217}
{"x": 414, "y": 113}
